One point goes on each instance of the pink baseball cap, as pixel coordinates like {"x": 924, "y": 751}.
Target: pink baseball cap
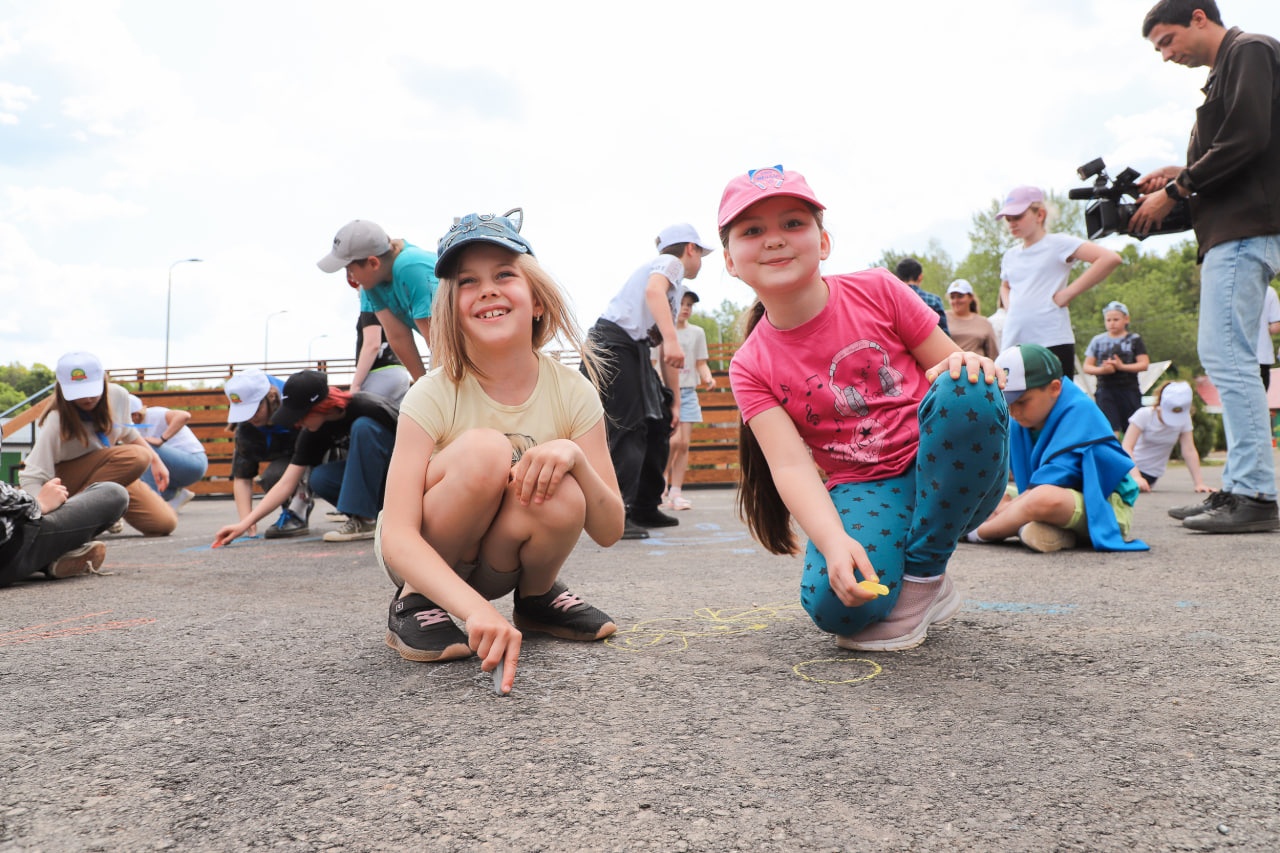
{"x": 1018, "y": 200}
{"x": 745, "y": 190}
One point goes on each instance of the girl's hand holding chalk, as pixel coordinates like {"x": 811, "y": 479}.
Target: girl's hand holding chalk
{"x": 497, "y": 641}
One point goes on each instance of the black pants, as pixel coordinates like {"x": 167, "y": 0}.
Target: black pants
{"x": 1118, "y": 403}
{"x": 640, "y": 461}
{"x": 1066, "y": 354}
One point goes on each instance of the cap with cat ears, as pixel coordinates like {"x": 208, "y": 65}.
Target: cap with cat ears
{"x": 501, "y": 230}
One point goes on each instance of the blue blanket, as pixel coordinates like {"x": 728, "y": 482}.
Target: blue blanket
{"x": 1076, "y": 450}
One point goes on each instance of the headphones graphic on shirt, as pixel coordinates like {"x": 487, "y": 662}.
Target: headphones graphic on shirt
{"x": 849, "y": 401}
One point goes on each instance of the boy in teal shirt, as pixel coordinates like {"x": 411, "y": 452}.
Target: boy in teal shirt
{"x": 397, "y": 281}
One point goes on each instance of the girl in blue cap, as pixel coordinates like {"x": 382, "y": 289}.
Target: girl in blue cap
{"x": 1116, "y": 357}
{"x": 500, "y": 463}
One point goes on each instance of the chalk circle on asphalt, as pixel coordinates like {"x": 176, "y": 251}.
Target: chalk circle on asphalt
{"x": 837, "y": 670}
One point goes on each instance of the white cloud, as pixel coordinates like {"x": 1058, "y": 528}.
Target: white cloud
{"x": 246, "y": 134}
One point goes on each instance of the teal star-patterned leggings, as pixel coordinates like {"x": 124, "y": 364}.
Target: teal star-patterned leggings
{"x": 910, "y": 524}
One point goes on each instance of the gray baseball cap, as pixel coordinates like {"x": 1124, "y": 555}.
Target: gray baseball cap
{"x": 355, "y": 241}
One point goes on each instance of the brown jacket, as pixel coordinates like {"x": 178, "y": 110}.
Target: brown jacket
{"x": 1234, "y": 155}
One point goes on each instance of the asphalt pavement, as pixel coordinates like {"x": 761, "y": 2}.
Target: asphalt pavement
{"x": 243, "y": 699}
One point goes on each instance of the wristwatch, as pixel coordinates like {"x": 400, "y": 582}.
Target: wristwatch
{"x": 1171, "y": 190}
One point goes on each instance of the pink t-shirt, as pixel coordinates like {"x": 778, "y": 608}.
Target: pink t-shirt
{"x": 846, "y": 378}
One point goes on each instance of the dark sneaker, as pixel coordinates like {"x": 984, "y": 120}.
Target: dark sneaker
{"x": 286, "y": 525}
{"x": 1215, "y": 499}
{"x": 1236, "y": 514}
{"x": 631, "y": 530}
{"x": 421, "y": 630}
{"x": 562, "y": 614}
{"x": 652, "y": 518}
{"x": 84, "y": 560}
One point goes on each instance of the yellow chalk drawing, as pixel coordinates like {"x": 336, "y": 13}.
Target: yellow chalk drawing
{"x": 672, "y": 634}
{"x": 875, "y": 670}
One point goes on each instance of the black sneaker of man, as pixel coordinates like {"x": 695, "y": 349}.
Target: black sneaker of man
{"x": 84, "y": 560}
{"x": 1215, "y": 499}
{"x": 652, "y": 518}
{"x": 631, "y": 530}
{"x": 1236, "y": 514}
{"x": 421, "y": 630}
{"x": 562, "y": 614}
{"x": 286, "y": 526}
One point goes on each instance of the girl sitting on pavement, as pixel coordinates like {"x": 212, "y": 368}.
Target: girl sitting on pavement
{"x": 331, "y": 419}
{"x": 1155, "y": 429}
{"x": 167, "y": 432}
{"x": 500, "y": 463}
{"x": 853, "y": 373}
{"x": 86, "y": 437}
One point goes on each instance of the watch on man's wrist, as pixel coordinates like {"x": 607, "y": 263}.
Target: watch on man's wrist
{"x": 1171, "y": 190}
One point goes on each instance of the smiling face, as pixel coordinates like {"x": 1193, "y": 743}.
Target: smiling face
{"x": 960, "y": 303}
{"x": 495, "y": 300}
{"x": 776, "y": 245}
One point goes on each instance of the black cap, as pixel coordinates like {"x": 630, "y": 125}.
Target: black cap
{"x": 302, "y": 392}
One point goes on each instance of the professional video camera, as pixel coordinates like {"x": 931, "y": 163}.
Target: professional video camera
{"x": 1108, "y": 214}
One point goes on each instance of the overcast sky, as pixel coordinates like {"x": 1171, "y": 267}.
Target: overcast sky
{"x": 137, "y": 134}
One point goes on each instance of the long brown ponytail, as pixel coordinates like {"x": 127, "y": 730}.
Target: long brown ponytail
{"x": 759, "y": 504}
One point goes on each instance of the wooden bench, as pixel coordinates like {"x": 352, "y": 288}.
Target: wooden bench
{"x": 713, "y": 450}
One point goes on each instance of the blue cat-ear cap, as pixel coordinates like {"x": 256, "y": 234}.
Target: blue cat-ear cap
{"x": 501, "y": 230}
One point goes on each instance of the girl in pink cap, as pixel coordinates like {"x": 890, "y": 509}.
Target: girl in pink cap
{"x": 851, "y": 372}
{"x": 1034, "y": 275}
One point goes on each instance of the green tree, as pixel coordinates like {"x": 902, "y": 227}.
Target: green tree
{"x": 939, "y": 268}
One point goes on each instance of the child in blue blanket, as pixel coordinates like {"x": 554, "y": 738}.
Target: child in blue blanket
{"x": 1072, "y": 474}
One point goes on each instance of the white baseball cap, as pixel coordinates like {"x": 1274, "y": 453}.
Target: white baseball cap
{"x": 960, "y": 285}
{"x": 1175, "y": 405}
{"x": 80, "y": 375}
{"x": 682, "y": 233}
{"x": 135, "y": 404}
{"x": 245, "y": 392}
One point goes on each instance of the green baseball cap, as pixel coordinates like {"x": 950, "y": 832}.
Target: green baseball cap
{"x": 1029, "y": 366}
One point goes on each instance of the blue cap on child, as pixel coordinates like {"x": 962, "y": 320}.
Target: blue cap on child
{"x": 1116, "y": 306}
{"x": 501, "y": 230}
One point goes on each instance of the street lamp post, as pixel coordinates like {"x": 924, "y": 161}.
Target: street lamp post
{"x": 313, "y": 340}
{"x": 266, "y": 335}
{"x": 168, "y": 305}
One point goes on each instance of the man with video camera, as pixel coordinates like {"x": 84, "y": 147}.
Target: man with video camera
{"x": 1233, "y": 181}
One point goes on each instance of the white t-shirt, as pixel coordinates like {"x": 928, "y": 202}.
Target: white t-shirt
{"x": 1270, "y": 314}
{"x": 1035, "y": 273}
{"x": 693, "y": 343}
{"x": 153, "y": 424}
{"x": 564, "y": 404}
{"x": 1151, "y": 453}
{"x": 630, "y": 310}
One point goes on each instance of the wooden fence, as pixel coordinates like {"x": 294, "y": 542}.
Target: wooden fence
{"x": 713, "y": 451}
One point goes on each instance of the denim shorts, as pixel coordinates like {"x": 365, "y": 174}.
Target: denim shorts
{"x": 690, "y": 411}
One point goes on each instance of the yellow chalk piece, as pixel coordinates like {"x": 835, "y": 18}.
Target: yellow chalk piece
{"x": 872, "y": 586}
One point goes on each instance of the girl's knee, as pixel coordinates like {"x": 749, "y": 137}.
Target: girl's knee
{"x": 480, "y": 460}
{"x": 564, "y": 510}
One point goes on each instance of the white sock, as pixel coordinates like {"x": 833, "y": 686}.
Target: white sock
{"x": 972, "y": 536}
{"x": 915, "y": 579}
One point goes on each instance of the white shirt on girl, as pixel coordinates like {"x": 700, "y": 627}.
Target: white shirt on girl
{"x": 1035, "y": 273}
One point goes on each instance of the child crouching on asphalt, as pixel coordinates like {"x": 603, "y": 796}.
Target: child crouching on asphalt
{"x": 1071, "y": 473}
{"x": 500, "y": 463}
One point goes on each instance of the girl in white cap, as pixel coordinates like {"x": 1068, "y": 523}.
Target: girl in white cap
{"x": 500, "y": 463}
{"x": 167, "y": 432}
{"x": 87, "y": 437}
{"x": 969, "y": 329}
{"x": 1155, "y": 429}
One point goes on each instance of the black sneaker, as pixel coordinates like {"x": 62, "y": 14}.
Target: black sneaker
{"x": 422, "y": 631}
{"x": 631, "y": 530}
{"x": 1215, "y": 499}
{"x": 562, "y": 614}
{"x": 1236, "y": 514}
{"x": 652, "y": 518}
{"x": 286, "y": 525}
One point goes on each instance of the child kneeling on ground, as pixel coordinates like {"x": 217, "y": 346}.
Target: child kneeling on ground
{"x": 1071, "y": 473}
{"x": 499, "y": 466}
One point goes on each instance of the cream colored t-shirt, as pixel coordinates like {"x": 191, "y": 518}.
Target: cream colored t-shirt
{"x": 564, "y": 404}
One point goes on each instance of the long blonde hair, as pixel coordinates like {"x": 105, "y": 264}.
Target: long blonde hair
{"x": 449, "y": 344}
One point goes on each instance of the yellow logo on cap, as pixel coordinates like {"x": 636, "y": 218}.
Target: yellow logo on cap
{"x": 235, "y": 398}
{"x": 77, "y": 374}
